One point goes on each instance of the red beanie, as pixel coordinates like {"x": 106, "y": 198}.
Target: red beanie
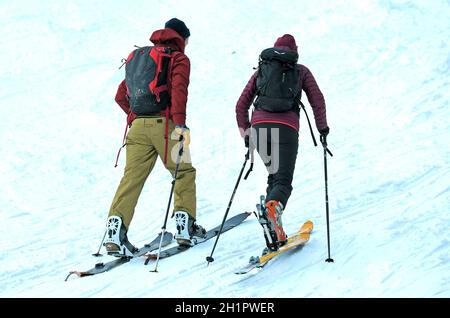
{"x": 286, "y": 40}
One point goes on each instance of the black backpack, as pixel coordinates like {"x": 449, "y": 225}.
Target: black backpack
{"x": 147, "y": 74}
{"x": 277, "y": 82}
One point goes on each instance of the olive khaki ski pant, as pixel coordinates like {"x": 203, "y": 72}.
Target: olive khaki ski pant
{"x": 144, "y": 143}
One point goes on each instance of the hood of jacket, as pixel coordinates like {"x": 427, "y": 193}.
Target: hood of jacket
{"x": 168, "y": 37}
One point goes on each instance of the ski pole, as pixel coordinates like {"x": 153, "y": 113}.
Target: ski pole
{"x": 323, "y": 140}
{"x": 100, "y": 247}
{"x": 180, "y": 154}
{"x": 210, "y": 258}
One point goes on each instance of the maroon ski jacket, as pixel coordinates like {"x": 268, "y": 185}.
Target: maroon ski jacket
{"x": 308, "y": 84}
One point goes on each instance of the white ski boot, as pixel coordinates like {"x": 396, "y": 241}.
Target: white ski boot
{"x": 116, "y": 241}
{"x": 187, "y": 230}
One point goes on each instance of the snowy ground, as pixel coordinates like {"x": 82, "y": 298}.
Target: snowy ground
{"x": 384, "y": 69}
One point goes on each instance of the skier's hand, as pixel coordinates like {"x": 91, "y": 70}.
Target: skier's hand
{"x": 184, "y": 131}
{"x": 324, "y": 131}
{"x": 323, "y": 135}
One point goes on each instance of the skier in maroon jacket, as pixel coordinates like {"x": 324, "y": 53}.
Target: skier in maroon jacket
{"x": 273, "y": 128}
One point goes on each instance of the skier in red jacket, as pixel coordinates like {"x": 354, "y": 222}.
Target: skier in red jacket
{"x": 154, "y": 118}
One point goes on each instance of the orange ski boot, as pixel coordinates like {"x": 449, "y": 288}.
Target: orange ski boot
{"x": 274, "y": 210}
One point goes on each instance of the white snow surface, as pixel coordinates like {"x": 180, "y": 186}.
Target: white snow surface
{"x": 383, "y": 67}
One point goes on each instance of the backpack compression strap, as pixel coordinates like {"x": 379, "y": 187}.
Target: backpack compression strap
{"x": 162, "y": 88}
{"x": 158, "y": 54}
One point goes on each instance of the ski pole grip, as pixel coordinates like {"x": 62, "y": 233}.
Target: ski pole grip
{"x": 247, "y": 157}
{"x": 249, "y": 171}
{"x": 323, "y": 140}
{"x": 180, "y": 152}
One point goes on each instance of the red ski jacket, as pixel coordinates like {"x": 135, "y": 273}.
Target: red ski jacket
{"x": 179, "y": 78}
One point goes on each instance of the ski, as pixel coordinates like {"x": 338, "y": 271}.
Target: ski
{"x": 104, "y": 267}
{"x": 228, "y": 225}
{"x": 297, "y": 240}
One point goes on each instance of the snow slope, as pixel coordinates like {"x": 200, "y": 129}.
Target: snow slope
{"x": 384, "y": 69}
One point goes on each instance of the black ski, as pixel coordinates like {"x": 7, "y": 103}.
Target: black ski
{"x": 228, "y": 225}
{"x": 104, "y": 267}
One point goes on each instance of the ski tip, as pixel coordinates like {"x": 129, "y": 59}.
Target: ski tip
{"x": 245, "y": 270}
{"x": 72, "y": 273}
{"x": 242, "y": 271}
{"x": 67, "y": 277}
{"x": 307, "y": 227}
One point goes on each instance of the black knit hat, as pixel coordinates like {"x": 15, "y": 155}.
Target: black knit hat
{"x": 179, "y": 27}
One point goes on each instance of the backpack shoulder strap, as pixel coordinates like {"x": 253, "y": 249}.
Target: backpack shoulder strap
{"x": 158, "y": 54}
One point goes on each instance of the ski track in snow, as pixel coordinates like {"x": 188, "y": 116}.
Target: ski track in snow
{"x": 384, "y": 70}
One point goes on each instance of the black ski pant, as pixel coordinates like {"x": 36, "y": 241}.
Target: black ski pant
{"x": 277, "y": 145}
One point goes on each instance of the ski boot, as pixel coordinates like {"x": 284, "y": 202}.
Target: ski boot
{"x": 188, "y": 231}
{"x": 116, "y": 241}
{"x": 270, "y": 219}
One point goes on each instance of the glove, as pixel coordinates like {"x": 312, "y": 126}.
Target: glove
{"x": 323, "y": 135}
{"x": 324, "y": 132}
{"x": 183, "y": 130}
{"x": 247, "y": 141}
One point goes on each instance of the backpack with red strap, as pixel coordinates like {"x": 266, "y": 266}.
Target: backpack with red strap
{"x": 147, "y": 76}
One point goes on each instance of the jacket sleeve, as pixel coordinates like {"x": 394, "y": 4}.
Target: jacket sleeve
{"x": 122, "y": 97}
{"x": 179, "y": 93}
{"x": 315, "y": 98}
{"x": 243, "y": 105}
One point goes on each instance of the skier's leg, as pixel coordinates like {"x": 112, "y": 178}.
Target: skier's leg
{"x": 270, "y": 183}
{"x": 287, "y": 153}
{"x": 261, "y": 138}
{"x": 185, "y": 189}
{"x": 278, "y": 143}
{"x": 140, "y": 160}
{"x": 276, "y": 200}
